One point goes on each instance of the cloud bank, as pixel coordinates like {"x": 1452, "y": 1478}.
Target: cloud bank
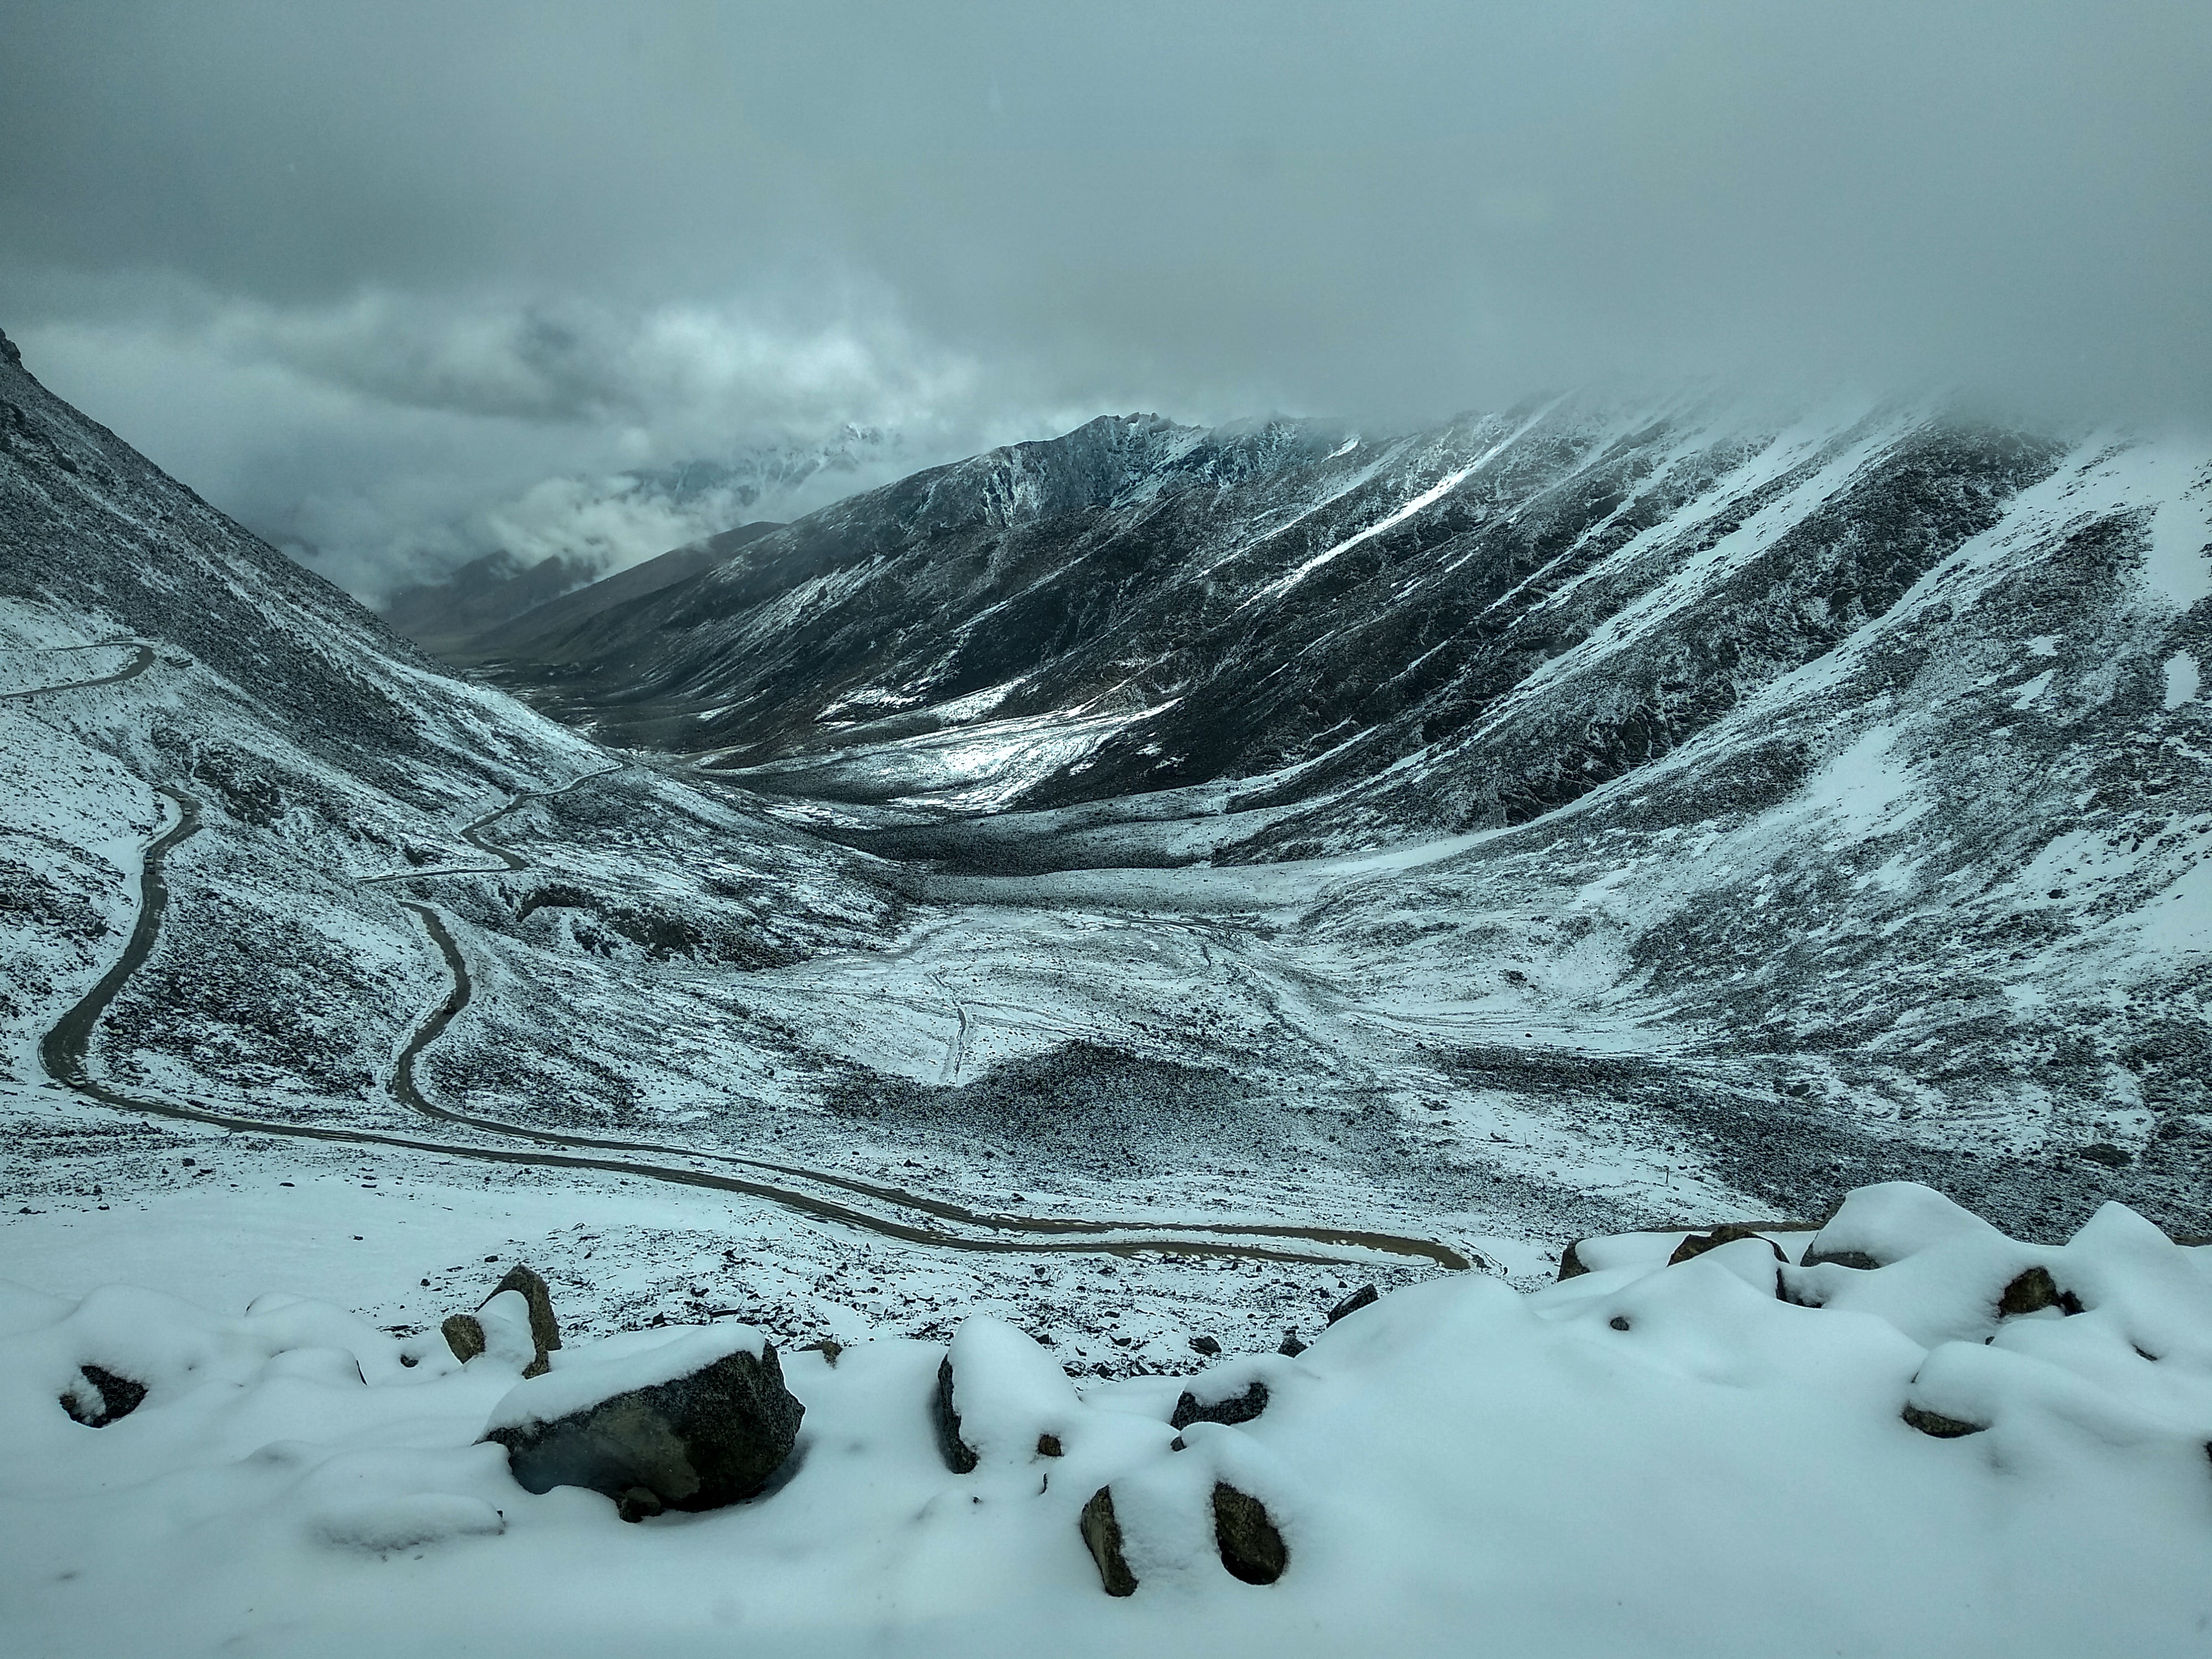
{"x": 372, "y": 270}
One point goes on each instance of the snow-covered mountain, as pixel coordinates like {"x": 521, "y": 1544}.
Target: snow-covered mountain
{"x": 566, "y": 531}
{"x": 1862, "y": 745}
{"x": 1138, "y": 889}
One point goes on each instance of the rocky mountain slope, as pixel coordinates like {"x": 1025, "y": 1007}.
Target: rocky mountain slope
{"x": 1864, "y": 747}
{"x": 1295, "y": 848}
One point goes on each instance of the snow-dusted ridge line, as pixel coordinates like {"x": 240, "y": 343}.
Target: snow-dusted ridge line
{"x": 64, "y": 1049}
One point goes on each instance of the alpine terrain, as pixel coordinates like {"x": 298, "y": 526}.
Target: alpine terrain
{"x": 920, "y": 983}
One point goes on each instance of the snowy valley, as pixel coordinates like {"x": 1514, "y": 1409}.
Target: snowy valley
{"x": 1099, "y": 906}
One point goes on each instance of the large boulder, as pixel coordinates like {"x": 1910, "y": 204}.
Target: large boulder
{"x": 692, "y": 1424}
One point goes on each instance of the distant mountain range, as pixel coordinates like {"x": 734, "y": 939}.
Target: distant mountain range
{"x": 442, "y": 615}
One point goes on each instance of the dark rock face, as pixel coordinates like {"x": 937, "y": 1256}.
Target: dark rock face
{"x": 100, "y": 1396}
{"x": 1236, "y": 1409}
{"x": 1251, "y": 1548}
{"x": 1570, "y": 1262}
{"x": 1943, "y": 1428}
{"x": 1365, "y": 1296}
{"x": 716, "y": 1436}
{"x": 959, "y": 1456}
{"x": 1697, "y": 1244}
{"x": 2032, "y": 1292}
{"x": 1102, "y": 1537}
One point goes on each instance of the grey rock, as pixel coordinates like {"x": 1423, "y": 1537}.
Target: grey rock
{"x": 1727, "y": 1233}
{"x": 1102, "y": 1537}
{"x": 713, "y": 1437}
{"x": 2032, "y": 1292}
{"x": 1935, "y": 1423}
{"x": 544, "y": 1330}
{"x": 1236, "y": 1409}
{"x": 959, "y": 1456}
{"x": 465, "y": 1335}
{"x": 98, "y": 1396}
{"x": 1817, "y": 1257}
{"x": 1365, "y": 1296}
{"x": 1251, "y": 1547}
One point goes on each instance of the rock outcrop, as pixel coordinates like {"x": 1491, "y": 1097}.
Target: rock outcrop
{"x": 708, "y": 1435}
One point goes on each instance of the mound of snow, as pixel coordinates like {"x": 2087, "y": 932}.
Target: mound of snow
{"x": 1724, "y": 1456}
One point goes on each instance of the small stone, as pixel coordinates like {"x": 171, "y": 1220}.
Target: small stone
{"x": 1102, "y": 1537}
{"x": 1206, "y": 1346}
{"x": 959, "y": 1456}
{"x": 1935, "y": 1423}
{"x": 2035, "y": 1291}
{"x": 1236, "y": 1409}
{"x": 1290, "y": 1344}
{"x": 465, "y": 1335}
{"x": 99, "y": 1396}
{"x": 1251, "y": 1548}
{"x": 1618, "y": 1322}
{"x": 1570, "y": 1261}
{"x": 1048, "y": 1446}
{"x": 1366, "y": 1296}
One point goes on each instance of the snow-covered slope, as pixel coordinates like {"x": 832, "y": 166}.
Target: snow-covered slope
{"x": 1856, "y": 751}
{"x": 1725, "y": 1456}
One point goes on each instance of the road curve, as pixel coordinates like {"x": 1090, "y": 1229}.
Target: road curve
{"x": 138, "y": 665}
{"x": 63, "y": 1053}
{"x": 473, "y": 833}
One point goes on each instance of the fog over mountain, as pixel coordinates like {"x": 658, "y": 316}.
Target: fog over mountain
{"x": 407, "y": 285}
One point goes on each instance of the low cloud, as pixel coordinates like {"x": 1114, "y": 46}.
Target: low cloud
{"x": 371, "y": 272}
{"x": 387, "y": 438}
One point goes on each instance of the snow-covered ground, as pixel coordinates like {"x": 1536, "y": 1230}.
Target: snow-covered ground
{"x": 1722, "y": 1456}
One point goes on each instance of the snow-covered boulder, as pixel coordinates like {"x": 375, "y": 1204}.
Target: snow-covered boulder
{"x": 695, "y": 1422}
{"x": 1236, "y": 1391}
{"x": 999, "y": 1396}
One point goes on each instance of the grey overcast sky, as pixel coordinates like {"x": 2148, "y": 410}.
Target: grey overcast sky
{"x": 371, "y": 274}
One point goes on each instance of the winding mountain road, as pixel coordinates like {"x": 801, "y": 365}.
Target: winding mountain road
{"x": 142, "y": 660}
{"x": 63, "y": 1053}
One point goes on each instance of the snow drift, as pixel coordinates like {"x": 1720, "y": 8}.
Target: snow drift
{"x": 1711, "y": 1456}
